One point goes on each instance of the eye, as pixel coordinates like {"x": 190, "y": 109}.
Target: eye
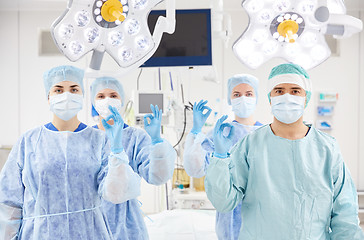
{"x": 74, "y": 90}
{"x": 249, "y": 94}
{"x": 236, "y": 95}
{"x": 279, "y": 91}
{"x": 295, "y": 92}
{"x": 58, "y": 90}
{"x": 114, "y": 96}
{"x": 100, "y": 96}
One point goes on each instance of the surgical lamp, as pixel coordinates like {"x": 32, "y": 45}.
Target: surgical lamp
{"x": 118, "y": 27}
{"x": 293, "y": 30}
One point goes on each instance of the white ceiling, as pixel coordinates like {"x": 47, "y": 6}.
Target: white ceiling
{"x": 350, "y": 4}
{"x": 62, "y": 4}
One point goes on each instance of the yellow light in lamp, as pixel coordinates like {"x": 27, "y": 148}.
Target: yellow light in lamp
{"x": 112, "y": 10}
{"x": 288, "y": 29}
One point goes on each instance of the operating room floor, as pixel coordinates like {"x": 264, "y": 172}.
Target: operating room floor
{"x": 181, "y": 224}
{"x": 185, "y": 224}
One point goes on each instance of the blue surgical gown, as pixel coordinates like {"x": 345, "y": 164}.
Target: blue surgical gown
{"x": 52, "y": 183}
{"x": 290, "y": 189}
{"x": 155, "y": 163}
{"x": 197, "y": 154}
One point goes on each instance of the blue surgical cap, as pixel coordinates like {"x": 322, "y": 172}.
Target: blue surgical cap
{"x": 106, "y": 82}
{"x": 239, "y": 79}
{"x": 60, "y": 74}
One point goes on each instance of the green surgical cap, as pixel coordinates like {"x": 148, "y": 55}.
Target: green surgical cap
{"x": 290, "y": 73}
{"x": 288, "y": 68}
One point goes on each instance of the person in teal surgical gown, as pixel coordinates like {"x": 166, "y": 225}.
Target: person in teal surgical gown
{"x": 291, "y": 177}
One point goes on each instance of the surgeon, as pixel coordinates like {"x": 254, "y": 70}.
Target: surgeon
{"x": 147, "y": 154}
{"x": 290, "y": 177}
{"x": 56, "y": 175}
{"x": 242, "y": 93}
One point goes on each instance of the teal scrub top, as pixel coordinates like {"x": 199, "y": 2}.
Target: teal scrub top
{"x": 290, "y": 189}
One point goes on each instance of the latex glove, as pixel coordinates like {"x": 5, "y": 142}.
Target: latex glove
{"x": 114, "y": 132}
{"x": 223, "y": 142}
{"x": 199, "y": 117}
{"x": 152, "y": 124}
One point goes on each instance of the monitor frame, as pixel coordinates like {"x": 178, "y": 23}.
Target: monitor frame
{"x": 137, "y": 101}
{"x": 188, "y": 61}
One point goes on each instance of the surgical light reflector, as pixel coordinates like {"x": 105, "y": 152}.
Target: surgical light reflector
{"x": 118, "y": 27}
{"x": 293, "y": 30}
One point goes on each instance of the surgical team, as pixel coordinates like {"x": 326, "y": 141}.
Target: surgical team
{"x": 284, "y": 180}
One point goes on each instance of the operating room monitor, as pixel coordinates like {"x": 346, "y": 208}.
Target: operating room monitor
{"x": 189, "y": 45}
{"x": 145, "y": 99}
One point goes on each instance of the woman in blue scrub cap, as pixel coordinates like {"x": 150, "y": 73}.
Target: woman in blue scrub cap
{"x": 242, "y": 92}
{"x": 56, "y": 175}
{"x": 147, "y": 154}
{"x": 290, "y": 177}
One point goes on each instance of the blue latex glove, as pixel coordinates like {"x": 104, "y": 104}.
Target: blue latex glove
{"x": 114, "y": 132}
{"x": 199, "y": 117}
{"x": 223, "y": 142}
{"x": 152, "y": 124}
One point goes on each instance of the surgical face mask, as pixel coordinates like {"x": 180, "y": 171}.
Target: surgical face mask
{"x": 243, "y": 106}
{"x": 288, "y": 108}
{"x": 102, "y": 106}
{"x": 66, "y": 105}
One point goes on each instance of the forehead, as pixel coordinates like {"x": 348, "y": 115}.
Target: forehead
{"x": 107, "y": 91}
{"x": 66, "y": 84}
{"x": 287, "y": 86}
{"x": 242, "y": 87}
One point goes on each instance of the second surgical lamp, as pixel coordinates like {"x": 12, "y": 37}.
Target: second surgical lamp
{"x": 293, "y": 30}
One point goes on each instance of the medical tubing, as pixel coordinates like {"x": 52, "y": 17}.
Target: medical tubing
{"x": 171, "y": 81}
{"x": 167, "y": 195}
{"x": 138, "y": 78}
{"x": 182, "y": 95}
{"x": 159, "y": 79}
{"x": 184, "y": 127}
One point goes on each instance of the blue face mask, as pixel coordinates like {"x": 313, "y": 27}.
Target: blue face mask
{"x": 288, "y": 108}
{"x": 244, "y": 107}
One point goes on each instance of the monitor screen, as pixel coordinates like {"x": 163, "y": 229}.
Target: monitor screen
{"x": 145, "y": 99}
{"x": 189, "y": 45}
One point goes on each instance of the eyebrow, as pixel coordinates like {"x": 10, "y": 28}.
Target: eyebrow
{"x": 293, "y": 88}
{"x": 73, "y": 86}
{"x": 58, "y": 86}
{"x": 249, "y": 91}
